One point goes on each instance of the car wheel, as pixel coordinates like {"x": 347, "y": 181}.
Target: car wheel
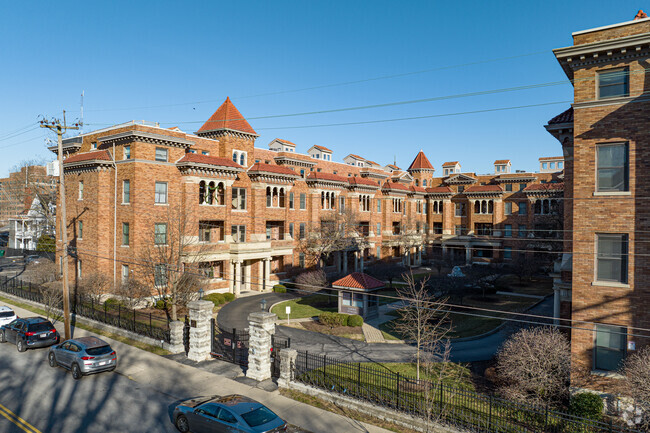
{"x": 2, "y": 337}
{"x": 76, "y": 372}
{"x": 51, "y": 359}
{"x": 20, "y": 345}
{"x": 182, "y": 424}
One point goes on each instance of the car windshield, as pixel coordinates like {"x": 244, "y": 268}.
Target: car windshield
{"x": 40, "y": 327}
{"x": 102, "y": 350}
{"x": 258, "y": 416}
{"x": 6, "y": 314}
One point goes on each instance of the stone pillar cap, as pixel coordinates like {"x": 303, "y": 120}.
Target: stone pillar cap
{"x": 200, "y": 305}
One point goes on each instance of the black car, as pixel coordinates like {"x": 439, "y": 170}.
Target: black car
{"x": 29, "y": 332}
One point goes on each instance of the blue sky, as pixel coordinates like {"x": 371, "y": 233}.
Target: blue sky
{"x": 175, "y": 62}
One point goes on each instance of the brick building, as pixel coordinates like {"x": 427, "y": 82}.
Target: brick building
{"x": 604, "y": 275}
{"x": 241, "y": 212}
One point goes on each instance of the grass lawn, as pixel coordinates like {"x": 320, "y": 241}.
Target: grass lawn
{"x": 464, "y": 325}
{"x": 454, "y": 374}
{"x": 533, "y": 286}
{"x": 309, "y": 306}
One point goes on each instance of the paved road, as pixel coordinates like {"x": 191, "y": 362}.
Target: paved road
{"x": 481, "y": 349}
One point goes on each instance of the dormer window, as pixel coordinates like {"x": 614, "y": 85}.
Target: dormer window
{"x": 239, "y": 157}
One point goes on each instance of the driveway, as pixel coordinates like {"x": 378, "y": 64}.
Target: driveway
{"x": 235, "y": 314}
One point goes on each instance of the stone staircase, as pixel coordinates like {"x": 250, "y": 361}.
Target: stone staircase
{"x": 372, "y": 334}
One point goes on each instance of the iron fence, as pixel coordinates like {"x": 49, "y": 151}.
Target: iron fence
{"x": 229, "y": 345}
{"x": 440, "y": 402}
{"x": 113, "y": 314}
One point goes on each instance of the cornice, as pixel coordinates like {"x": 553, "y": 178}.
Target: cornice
{"x": 145, "y": 137}
{"x": 196, "y": 168}
{"x": 226, "y": 131}
{"x": 295, "y": 161}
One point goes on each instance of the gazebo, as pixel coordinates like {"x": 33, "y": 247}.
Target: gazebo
{"x": 353, "y": 294}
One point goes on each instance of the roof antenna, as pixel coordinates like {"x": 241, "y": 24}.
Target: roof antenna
{"x": 395, "y": 160}
{"x": 81, "y": 129}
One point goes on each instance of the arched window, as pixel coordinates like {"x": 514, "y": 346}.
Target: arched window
{"x": 490, "y": 206}
{"x": 417, "y": 182}
{"x": 221, "y": 194}
{"x": 483, "y": 206}
{"x": 424, "y": 182}
{"x": 202, "y": 192}
{"x": 269, "y": 198}
{"x": 322, "y": 200}
{"x": 546, "y": 207}
{"x": 274, "y": 203}
{"x": 477, "y": 207}
{"x": 242, "y": 160}
{"x": 281, "y": 204}
{"x": 235, "y": 157}
{"x": 555, "y": 207}
{"x": 538, "y": 207}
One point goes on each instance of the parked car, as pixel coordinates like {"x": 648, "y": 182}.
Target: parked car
{"x": 32, "y": 259}
{"x": 29, "y": 332}
{"x": 7, "y": 315}
{"x": 232, "y": 413}
{"x": 83, "y": 356}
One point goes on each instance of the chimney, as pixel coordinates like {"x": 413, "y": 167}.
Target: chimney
{"x": 641, "y": 15}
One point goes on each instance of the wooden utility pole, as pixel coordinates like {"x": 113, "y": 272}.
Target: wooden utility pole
{"x": 56, "y": 126}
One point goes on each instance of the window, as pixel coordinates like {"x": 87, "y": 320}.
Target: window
{"x": 612, "y": 171}
{"x": 611, "y": 260}
{"x": 522, "y": 186}
{"x": 160, "y": 234}
{"x": 460, "y": 230}
{"x": 378, "y": 253}
{"x": 461, "y": 188}
{"x": 301, "y": 260}
{"x": 79, "y": 268}
{"x": 239, "y": 157}
{"x": 127, "y": 152}
{"x": 551, "y": 166}
{"x": 483, "y": 229}
{"x": 290, "y": 200}
{"x": 460, "y": 209}
{"x": 341, "y": 204}
{"x": 161, "y": 154}
{"x": 610, "y": 347}
{"x": 378, "y": 229}
{"x": 125, "y": 273}
{"x": 613, "y": 83}
{"x": 204, "y": 231}
{"x": 507, "y": 230}
{"x": 302, "y": 231}
{"x": 239, "y": 198}
{"x": 507, "y": 253}
{"x": 559, "y": 165}
{"x": 302, "y": 173}
{"x": 291, "y": 230}
{"x": 507, "y": 208}
{"x": 544, "y": 165}
{"x": 161, "y": 193}
{"x": 378, "y": 205}
{"x": 81, "y": 190}
{"x": 522, "y": 230}
{"x": 508, "y": 187}
{"x": 80, "y": 231}
{"x": 126, "y": 192}
{"x": 160, "y": 275}
{"x": 238, "y": 233}
{"x": 437, "y": 228}
{"x": 522, "y": 208}
{"x": 93, "y": 145}
{"x": 303, "y": 201}
{"x": 125, "y": 234}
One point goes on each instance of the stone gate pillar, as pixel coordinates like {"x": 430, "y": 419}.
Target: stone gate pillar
{"x": 176, "y": 337}
{"x": 200, "y": 344}
{"x": 287, "y": 366}
{"x": 261, "y": 327}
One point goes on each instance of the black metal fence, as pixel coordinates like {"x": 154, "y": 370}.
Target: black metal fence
{"x": 114, "y": 314}
{"x": 452, "y": 405}
{"x": 229, "y": 345}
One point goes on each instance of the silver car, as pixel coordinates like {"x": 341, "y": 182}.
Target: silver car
{"x": 82, "y": 356}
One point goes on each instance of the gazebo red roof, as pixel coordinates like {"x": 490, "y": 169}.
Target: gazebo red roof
{"x": 358, "y": 280}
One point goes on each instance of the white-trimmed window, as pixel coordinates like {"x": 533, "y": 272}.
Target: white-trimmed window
{"x": 125, "y": 274}
{"x": 610, "y": 347}
{"x": 613, "y": 83}
{"x": 507, "y": 208}
{"x": 80, "y": 230}
{"x": 160, "y": 275}
{"x": 240, "y": 157}
{"x": 81, "y": 190}
{"x": 125, "y": 234}
{"x": 160, "y": 234}
{"x": 612, "y": 173}
{"x": 127, "y": 152}
{"x": 126, "y": 191}
{"x": 303, "y": 201}
{"x": 161, "y": 154}
{"x": 239, "y": 198}
{"x": 238, "y": 233}
{"x": 611, "y": 258}
{"x": 161, "y": 193}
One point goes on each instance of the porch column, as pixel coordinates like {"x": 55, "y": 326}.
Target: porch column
{"x": 267, "y": 275}
{"x": 337, "y": 260}
{"x": 468, "y": 254}
{"x": 237, "y": 278}
{"x": 445, "y": 251}
{"x": 556, "y": 306}
{"x": 247, "y": 275}
{"x": 231, "y": 276}
{"x": 361, "y": 261}
{"x": 356, "y": 261}
{"x": 345, "y": 261}
{"x": 419, "y": 256}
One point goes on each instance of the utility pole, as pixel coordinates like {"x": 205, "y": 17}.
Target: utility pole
{"x": 55, "y": 125}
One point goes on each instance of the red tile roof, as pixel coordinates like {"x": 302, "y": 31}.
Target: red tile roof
{"x": 420, "y": 162}
{"x": 394, "y": 167}
{"x": 362, "y": 181}
{"x": 501, "y": 161}
{"x": 227, "y": 117}
{"x": 395, "y": 185}
{"x": 417, "y": 189}
{"x": 357, "y": 156}
{"x": 89, "y": 156}
{"x": 564, "y": 117}
{"x": 271, "y": 168}
{"x": 326, "y": 176}
{"x": 322, "y": 148}
{"x": 545, "y": 187}
{"x": 359, "y": 280}
{"x": 285, "y": 142}
{"x": 483, "y": 188}
{"x": 211, "y": 160}
{"x": 447, "y": 164}
{"x": 439, "y": 190}
{"x": 371, "y": 162}
{"x": 550, "y": 158}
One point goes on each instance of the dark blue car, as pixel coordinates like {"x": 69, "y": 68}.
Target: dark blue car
{"x": 29, "y": 332}
{"x": 230, "y": 414}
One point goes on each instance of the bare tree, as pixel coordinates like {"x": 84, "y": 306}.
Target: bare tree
{"x": 637, "y": 372}
{"x": 338, "y": 231}
{"x": 386, "y": 270}
{"x": 132, "y": 291}
{"x": 93, "y": 285}
{"x": 524, "y": 267}
{"x": 45, "y": 271}
{"x": 534, "y": 365}
{"x": 312, "y": 281}
{"x": 171, "y": 258}
{"x": 423, "y": 319}
{"x": 410, "y": 235}
{"x": 52, "y": 297}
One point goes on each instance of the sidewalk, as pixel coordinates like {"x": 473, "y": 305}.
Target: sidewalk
{"x": 180, "y": 381}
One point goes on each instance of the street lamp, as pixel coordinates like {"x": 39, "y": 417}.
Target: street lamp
{"x": 200, "y": 293}
{"x": 263, "y": 305}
